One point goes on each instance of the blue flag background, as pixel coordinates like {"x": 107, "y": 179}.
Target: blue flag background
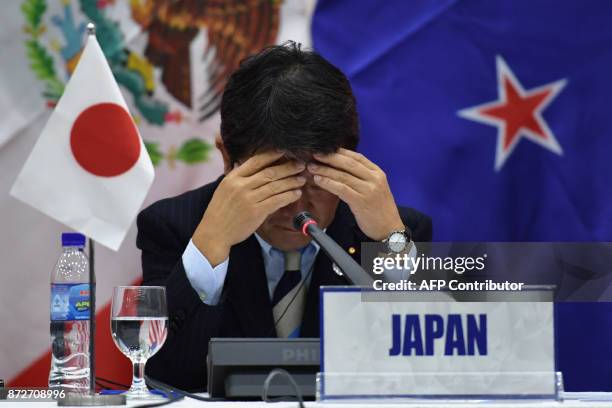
{"x": 414, "y": 65}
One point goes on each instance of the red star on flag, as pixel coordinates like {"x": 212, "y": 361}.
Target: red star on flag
{"x": 517, "y": 113}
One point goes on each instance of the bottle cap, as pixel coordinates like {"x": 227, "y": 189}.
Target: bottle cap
{"x": 73, "y": 239}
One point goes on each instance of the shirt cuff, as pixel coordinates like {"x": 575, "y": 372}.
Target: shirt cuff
{"x": 205, "y": 280}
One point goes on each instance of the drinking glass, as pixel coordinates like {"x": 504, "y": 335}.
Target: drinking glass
{"x": 139, "y": 325}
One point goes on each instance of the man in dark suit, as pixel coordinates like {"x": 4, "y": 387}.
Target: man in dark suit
{"x": 227, "y": 253}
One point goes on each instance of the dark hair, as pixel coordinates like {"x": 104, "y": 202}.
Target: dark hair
{"x": 288, "y": 99}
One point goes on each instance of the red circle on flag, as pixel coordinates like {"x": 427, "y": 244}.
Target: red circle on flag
{"x": 104, "y": 140}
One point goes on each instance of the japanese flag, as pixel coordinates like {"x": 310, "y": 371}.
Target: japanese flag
{"x": 89, "y": 169}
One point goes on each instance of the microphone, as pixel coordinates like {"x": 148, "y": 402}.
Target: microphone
{"x": 351, "y": 269}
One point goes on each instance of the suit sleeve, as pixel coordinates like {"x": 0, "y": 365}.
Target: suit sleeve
{"x": 191, "y": 323}
{"x": 420, "y": 224}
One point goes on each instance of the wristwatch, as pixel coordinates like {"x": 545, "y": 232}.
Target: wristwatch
{"x": 397, "y": 241}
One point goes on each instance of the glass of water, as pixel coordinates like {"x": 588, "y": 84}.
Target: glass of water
{"x": 139, "y": 325}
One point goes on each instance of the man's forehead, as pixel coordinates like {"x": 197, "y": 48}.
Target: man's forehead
{"x": 301, "y": 156}
{"x": 298, "y": 156}
{"x": 287, "y": 157}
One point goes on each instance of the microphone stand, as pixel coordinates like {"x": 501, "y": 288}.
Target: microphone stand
{"x": 353, "y": 272}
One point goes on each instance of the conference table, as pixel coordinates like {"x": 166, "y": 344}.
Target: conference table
{"x": 571, "y": 400}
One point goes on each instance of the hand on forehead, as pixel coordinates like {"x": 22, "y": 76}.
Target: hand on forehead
{"x": 270, "y": 158}
{"x": 288, "y": 158}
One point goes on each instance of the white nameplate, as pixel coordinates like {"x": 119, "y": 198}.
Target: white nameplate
{"x": 379, "y": 344}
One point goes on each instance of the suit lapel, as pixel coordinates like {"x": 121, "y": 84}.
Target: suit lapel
{"x": 247, "y": 290}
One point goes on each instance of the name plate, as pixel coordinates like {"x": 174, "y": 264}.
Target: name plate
{"x": 428, "y": 345}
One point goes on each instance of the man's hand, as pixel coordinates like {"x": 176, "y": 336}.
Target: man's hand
{"x": 363, "y": 186}
{"x": 243, "y": 200}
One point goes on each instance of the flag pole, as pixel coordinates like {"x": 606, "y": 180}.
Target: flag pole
{"x": 91, "y": 31}
{"x": 92, "y": 320}
{"x": 91, "y": 398}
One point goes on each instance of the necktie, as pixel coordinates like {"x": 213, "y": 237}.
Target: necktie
{"x": 289, "y": 298}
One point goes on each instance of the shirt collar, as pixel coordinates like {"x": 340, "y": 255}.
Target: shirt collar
{"x": 267, "y": 248}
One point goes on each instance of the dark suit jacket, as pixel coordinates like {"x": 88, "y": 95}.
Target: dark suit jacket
{"x": 164, "y": 230}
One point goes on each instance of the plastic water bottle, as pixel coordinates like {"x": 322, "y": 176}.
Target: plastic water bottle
{"x": 70, "y": 317}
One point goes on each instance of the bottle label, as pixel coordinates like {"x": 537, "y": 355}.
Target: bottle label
{"x": 70, "y": 301}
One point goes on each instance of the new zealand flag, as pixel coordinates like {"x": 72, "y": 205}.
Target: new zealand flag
{"x": 495, "y": 118}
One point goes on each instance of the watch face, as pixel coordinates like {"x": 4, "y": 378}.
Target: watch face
{"x": 397, "y": 242}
